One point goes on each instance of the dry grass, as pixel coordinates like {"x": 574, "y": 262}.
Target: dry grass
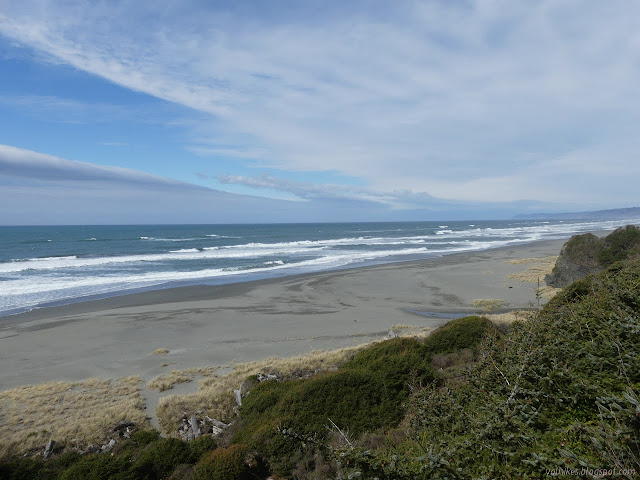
{"x": 489, "y": 304}
{"x": 407, "y": 330}
{"x": 215, "y": 396}
{"x": 406, "y": 326}
{"x": 539, "y": 268}
{"x": 76, "y": 413}
{"x": 166, "y": 382}
{"x": 161, "y": 351}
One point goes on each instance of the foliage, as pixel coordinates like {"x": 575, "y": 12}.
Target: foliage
{"x": 458, "y": 334}
{"x": 100, "y": 467}
{"x": 160, "y": 458}
{"x": 144, "y": 456}
{"x": 619, "y": 245}
{"x": 366, "y": 393}
{"x": 224, "y": 464}
{"x": 201, "y": 446}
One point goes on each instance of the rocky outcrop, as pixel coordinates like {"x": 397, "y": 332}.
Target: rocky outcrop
{"x": 586, "y": 254}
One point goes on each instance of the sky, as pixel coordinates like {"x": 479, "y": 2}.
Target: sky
{"x": 252, "y": 111}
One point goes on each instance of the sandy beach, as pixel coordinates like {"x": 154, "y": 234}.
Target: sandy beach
{"x": 222, "y": 325}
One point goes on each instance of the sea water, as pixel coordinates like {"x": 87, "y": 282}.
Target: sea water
{"x": 42, "y": 266}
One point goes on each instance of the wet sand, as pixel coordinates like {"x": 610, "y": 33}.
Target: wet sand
{"x": 226, "y": 324}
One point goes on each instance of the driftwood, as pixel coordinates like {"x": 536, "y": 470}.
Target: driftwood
{"x": 49, "y": 448}
{"x": 195, "y": 429}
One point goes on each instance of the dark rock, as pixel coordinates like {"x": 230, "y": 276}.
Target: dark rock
{"x": 269, "y": 376}
{"x": 578, "y": 258}
{"x": 122, "y": 426}
{"x": 586, "y": 254}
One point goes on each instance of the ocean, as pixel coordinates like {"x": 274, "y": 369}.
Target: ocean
{"x": 53, "y": 265}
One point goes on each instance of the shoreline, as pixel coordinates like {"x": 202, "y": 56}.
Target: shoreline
{"x": 207, "y": 283}
{"x": 220, "y": 325}
{"x": 148, "y": 296}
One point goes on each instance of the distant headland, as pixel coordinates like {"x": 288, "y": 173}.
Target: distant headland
{"x": 612, "y": 214}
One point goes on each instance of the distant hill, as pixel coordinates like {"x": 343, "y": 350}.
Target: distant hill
{"x": 613, "y": 214}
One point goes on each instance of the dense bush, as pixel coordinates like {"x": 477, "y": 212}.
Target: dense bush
{"x": 619, "y": 245}
{"x": 202, "y": 445}
{"x": 365, "y": 394}
{"x": 458, "y": 334}
{"x": 100, "y": 467}
{"x": 145, "y": 456}
{"x": 224, "y": 464}
{"x": 160, "y": 458}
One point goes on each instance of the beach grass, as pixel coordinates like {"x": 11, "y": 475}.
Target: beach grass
{"x": 76, "y": 413}
{"x": 167, "y": 382}
{"x": 488, "y": 305}
{"x": 538, "y": 269}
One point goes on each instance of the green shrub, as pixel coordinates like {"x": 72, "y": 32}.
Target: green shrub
{"x": 144, "y": 437}
{"x": 458, "y": 334}
{"x": 202, "y": 445}
{"x": 160, "y": 458}
{"x": 396, "y": 362}
{"x": 619, "y": 245}
{"x": 100, "y": 467}
{"x": 366, "y": 393}
{"x": 223, "y": 464}
{"x": 356, "y": 400}
{"x": 22, "y": 469}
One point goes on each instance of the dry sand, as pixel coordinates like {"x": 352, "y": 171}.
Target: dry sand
{"x": 222, "y": 325}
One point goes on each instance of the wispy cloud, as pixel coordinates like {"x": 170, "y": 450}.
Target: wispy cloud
{"x": 313, "y": 191}
{"x": 464, "y": 100}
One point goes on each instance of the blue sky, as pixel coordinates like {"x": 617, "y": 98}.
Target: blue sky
{"x": 198, "y": 111}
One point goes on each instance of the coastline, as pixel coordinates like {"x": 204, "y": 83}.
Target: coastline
{"x": 220, "y": 325}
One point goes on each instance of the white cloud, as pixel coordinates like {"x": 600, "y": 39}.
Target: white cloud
{"x": 474, "y": 100}
{"x": 313, "y": 191}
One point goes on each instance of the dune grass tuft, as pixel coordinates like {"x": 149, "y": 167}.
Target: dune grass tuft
{"x": 167, "y": 382}
{"x": 488, "y": 305}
